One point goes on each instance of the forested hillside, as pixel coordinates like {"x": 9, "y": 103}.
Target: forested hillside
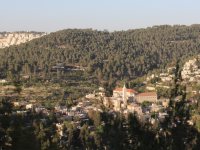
{"x": 55, "y": 74}
{"x": 106, "y": 55}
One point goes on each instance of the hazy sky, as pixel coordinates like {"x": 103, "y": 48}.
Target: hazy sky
{"x": 53, "y": 15}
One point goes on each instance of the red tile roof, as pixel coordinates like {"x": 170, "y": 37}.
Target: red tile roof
{"x": 128, "y": 90}
{"x": 147, "y": 94}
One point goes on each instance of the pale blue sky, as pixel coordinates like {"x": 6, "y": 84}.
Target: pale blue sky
{"x": 53, "y": 15}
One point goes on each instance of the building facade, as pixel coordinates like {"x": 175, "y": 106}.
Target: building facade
{"x": 147, "y": 96}
{"x": 120, "y": 98}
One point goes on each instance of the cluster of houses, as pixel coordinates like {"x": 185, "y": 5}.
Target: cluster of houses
{"x": 76, "y": 114}
{"x": 190, "y": 74}
{"x": 130, "y": 101}
{"x": 24, "y": 107}
{"x": 123, "y": 100}
{"x": 144, "y": 105}
{"x": 165, "y": 77}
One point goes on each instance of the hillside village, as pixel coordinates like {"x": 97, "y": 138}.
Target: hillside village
{"x": 123, "y": 101}
{"x": 15, "y": 38}
{"x": 190, "y": 74}
{"x": 148, "y": 105}
{"x": 100, "y": 75}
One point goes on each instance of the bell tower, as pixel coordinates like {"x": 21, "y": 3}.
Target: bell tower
{"x": 124, "y": 95}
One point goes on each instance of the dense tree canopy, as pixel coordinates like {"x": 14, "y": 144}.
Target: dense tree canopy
{"x": 108, "y": 55}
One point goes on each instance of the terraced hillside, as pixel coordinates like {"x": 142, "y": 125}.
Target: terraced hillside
{"x": 108, "y": 56}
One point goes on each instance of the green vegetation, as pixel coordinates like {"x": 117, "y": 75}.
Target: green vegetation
{"x": 163, "y": 92}
{"x": 63, "y": 66}
{"x": 36, "y": 132}
{"x": 107, "y": 56}
{"x": 49, "y": 92}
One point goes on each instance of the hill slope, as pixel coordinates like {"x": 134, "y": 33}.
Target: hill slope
{"x": 108, "y": 56}
{"x": 15, "y": 38}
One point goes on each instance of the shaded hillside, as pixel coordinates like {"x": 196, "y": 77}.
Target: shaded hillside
{"x": 108, "y": 56}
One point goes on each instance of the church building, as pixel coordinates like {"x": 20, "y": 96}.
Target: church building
{"x": 120, "y": 98}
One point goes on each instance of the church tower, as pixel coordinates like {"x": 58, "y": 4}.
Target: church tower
{"x": 124, "y": 96}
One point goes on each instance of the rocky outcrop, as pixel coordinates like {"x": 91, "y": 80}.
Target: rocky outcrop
{"x": 15, "y": 38}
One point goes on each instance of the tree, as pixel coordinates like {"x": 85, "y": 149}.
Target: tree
{"x": 84, "y": 136}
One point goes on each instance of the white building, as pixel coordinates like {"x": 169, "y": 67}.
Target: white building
{"x": 120, "y": 98}
{"x": 29, "y": 106}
